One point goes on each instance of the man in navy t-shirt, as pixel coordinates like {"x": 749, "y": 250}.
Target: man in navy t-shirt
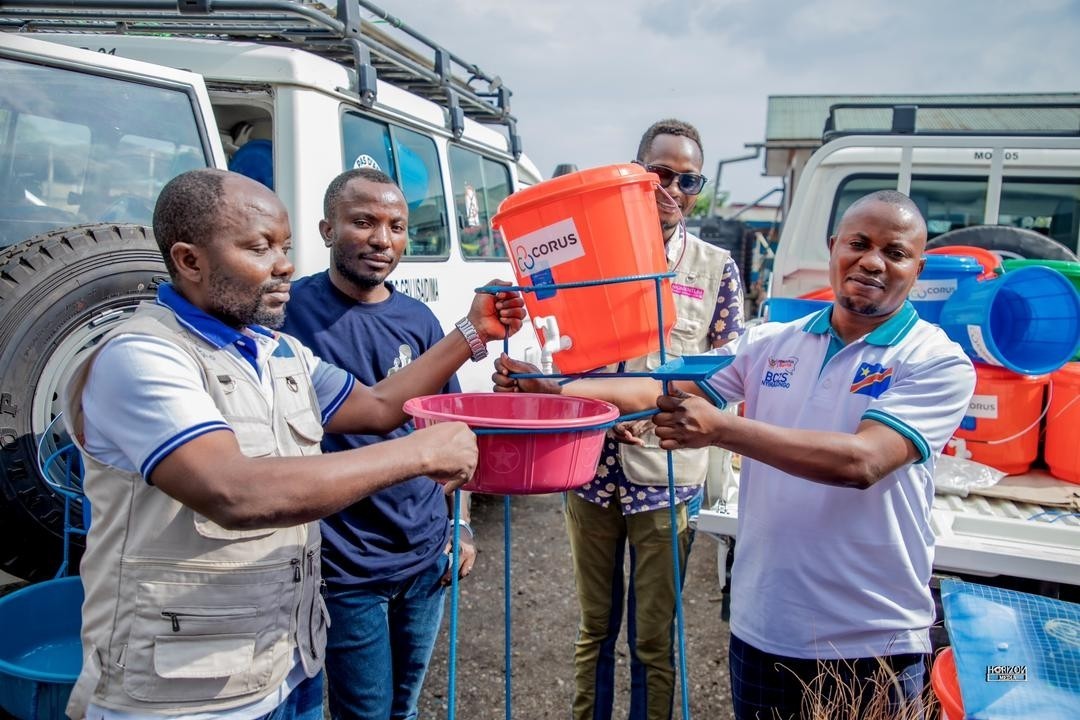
{"x": 384, "y": 558}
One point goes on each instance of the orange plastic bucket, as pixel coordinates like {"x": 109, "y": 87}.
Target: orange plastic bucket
{"x": 946, "y": 686}
{"x": 824, "y": 293}
{"x": 1001, "y": 427}
{"x": 1062, "y": 449}
{"x": 596, "y": 224}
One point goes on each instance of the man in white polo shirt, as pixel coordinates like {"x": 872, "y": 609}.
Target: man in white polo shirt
{"x": 846, "y": 412}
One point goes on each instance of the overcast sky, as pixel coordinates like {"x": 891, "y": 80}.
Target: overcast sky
{"x": 589, "y": 76}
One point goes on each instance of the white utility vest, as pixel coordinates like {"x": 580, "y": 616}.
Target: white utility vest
{"x": 182, "y": 615}
{"x": 699, "y": 271}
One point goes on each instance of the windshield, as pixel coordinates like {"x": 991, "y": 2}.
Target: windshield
{"x": 80, "y": 148}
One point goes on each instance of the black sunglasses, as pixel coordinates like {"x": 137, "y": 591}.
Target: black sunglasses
{"x": 689, "y": 183}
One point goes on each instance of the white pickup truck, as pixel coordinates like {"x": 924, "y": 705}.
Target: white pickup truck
{"x": 1014, "y": 190}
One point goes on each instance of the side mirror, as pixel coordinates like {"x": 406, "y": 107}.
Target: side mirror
{"x": 564, "y": 169}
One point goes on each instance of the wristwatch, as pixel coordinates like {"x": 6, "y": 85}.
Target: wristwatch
{"x": 479, "y": 349}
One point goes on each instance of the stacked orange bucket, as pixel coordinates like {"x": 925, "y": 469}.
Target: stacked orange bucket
{"x": 1008, "y": 411}
{"x": 1062, "y": 451}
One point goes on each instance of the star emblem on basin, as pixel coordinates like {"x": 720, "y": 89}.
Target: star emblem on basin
{"x": 502, "y": 457}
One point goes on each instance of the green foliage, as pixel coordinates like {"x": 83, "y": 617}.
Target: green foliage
{"x": 701, "y": 205}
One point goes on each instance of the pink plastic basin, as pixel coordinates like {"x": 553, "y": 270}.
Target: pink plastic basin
{"x": 524, "y": 463}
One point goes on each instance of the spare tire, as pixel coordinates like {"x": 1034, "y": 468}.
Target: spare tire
{"x": 60, "y": 292}
{"x": 1006, "y": 241}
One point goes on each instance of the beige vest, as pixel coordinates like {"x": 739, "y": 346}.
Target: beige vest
{"x": 699, "y": 270}
{"x": 182, "y": 615}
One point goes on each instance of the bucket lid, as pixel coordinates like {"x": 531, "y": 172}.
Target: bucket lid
{"x": 989, "y": 261}
{"x": 959, "y": 264}
{"x": 1065, "y": 267}
{"x": 582, "y": 181}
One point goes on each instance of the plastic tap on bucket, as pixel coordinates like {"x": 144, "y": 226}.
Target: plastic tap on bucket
{"x": 1027, "y": 320}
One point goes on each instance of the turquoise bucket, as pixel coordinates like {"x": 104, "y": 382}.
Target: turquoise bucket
{"x": 1027, "y": 321}
{"x": 941, "y": 276}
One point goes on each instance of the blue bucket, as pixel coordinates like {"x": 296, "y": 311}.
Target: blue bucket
{"x": 1027, "y": 320}
{"x": 940, "y": 278}
{"x": 786, "y": 309}
{"x": 40, "y": 649}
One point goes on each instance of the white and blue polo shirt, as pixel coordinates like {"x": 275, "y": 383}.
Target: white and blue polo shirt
{"x": 145, "y": 397}
{"x": 833, "y": 572}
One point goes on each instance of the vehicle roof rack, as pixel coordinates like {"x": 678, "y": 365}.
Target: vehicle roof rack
{"x": 953, "y": 118}
{"x": 407, "y": 58}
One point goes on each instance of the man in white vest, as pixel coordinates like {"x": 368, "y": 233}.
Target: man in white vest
{"x": 200, "y": 428}
{"x": 626, "y": 506}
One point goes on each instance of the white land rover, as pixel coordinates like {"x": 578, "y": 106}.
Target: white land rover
{"x": 101, "y": 104}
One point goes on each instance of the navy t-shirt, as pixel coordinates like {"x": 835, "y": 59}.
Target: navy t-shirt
{"x": 400, "y": 531}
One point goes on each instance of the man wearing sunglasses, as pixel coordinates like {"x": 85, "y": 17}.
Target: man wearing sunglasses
{"x": 627, "y": 503}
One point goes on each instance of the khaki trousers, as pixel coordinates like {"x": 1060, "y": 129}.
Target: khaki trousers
{"x": 598, "y": 541}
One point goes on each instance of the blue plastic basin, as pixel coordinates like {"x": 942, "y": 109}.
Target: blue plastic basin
{"x": 780, "y": 309}
{"x": 40, "y": 650}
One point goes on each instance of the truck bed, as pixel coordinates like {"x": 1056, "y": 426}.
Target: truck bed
{"x": 976, "y": 535}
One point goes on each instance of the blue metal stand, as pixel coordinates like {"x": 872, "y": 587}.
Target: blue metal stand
{"x": 62, "y": 470}
{"x": 697, "y": 369}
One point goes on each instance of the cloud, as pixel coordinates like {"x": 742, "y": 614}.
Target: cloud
{"x": 590, "y": 75}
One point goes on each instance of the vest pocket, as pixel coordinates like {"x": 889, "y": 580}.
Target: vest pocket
{"x": 213, "y": 656}
{"x": 314, "y": 618}
{"x": 688, "y": 330}
{"x": 307, "y": 431}
{"x": 191, "y": 641}
{"x": 207, "y": 528}
{"x": 255, "y": 437}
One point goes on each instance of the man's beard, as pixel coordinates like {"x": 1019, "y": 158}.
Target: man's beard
{"x": 866, "y": 308}
{"x": 240, "y": 306}
{"x": 366, "y": 282}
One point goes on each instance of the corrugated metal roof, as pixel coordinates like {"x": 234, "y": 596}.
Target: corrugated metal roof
{"x": 802, "y": 117}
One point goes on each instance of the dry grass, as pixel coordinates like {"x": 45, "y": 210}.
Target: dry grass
{"x": 830, "y": 696}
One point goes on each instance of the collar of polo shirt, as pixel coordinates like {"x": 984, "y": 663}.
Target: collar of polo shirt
{"x": 888, "y": 333}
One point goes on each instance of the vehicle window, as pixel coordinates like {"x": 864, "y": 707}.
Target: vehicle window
{"x": 480, "y": 184}
{"x": 1050, "y": 207}
{"x": 412, "y": 160}
{"x": 854, "y": 187}
{"x": 102, "y": 155}
{"x": 946, "y": 202}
